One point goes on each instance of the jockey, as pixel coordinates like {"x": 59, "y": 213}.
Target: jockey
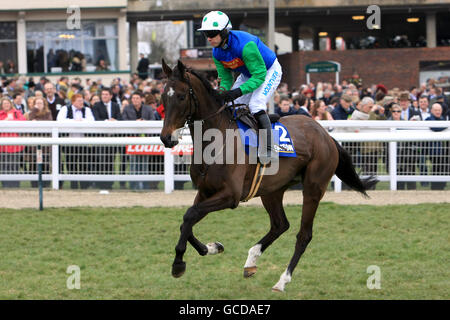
{"x": 258, "y": 68}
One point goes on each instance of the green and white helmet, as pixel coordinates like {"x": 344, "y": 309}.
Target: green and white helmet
{"x": 215, "y": 20}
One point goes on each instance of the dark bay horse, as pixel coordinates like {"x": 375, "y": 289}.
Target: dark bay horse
{"x": 189, "y": 97}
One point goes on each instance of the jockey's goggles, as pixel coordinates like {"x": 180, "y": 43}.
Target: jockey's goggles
{"x": 211, "y": 33}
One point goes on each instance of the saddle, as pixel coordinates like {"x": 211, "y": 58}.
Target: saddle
{"x": 243, "y": 114}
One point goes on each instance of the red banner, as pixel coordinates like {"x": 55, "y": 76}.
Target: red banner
{"x": 179, "y": 149}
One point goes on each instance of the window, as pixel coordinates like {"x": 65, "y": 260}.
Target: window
{"x": 51, "y": 47}
{"x": 8, "y": 47}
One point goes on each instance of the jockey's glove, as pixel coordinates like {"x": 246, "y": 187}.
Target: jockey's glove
{"x": 230, "y": 95}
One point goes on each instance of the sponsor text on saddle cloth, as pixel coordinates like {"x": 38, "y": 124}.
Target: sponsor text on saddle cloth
{"x": 282, "y": 139}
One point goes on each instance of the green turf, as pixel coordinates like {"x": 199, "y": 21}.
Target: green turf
{"x": 126, "y": 253}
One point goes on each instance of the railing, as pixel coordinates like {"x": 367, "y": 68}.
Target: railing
{"x": 395, "y": 151}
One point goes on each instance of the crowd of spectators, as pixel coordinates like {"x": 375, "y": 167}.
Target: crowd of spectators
{"x": 349, "y": 100}
{"x": 139, "y": 99}
{"x": 76, "y": 100}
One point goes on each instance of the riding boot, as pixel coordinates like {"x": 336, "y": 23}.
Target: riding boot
{"x": 266, "y": 152}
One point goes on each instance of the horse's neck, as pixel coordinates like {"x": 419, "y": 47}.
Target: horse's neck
{"x": 219, "y": 122}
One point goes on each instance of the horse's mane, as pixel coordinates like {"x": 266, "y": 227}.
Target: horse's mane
{"x": 209, "y": 88}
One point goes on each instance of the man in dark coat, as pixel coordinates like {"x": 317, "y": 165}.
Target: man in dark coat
{"x": 142, "y": 163}
{"x": 106, "y": 110}
{"x": 344, "y": 109}
{"x": 142, "y": 67}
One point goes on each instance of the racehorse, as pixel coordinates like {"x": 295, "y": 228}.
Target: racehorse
{"x": 189, "y": 97}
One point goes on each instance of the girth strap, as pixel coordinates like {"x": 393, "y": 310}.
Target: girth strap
{"x": 257, "y": 178}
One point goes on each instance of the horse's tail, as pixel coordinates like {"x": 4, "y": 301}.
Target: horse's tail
{"x": 346, "y": 172}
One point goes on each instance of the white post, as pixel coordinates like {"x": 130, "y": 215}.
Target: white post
{"x": 337, "y": 78}
{"x": 337, "y": 182}
{"x": 55, "y": 160}
{"x": 393, "y": 163}
{"x": 168, "y": 171}
{"x": 307, "y": 78}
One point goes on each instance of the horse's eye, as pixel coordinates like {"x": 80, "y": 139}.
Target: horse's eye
{"x": 181, "y": 97}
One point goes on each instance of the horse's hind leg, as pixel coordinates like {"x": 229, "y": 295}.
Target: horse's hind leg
{"x": 273, "y": 203}
{"x": 314, "y": 187}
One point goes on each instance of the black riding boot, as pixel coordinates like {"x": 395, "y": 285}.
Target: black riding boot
{"x": 268, "y": 153}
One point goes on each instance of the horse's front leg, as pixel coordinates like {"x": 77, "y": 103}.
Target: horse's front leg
{"x": 220, "y": 200}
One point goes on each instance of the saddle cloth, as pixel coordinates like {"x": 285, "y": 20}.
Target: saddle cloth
{"x": 282, "y": 139}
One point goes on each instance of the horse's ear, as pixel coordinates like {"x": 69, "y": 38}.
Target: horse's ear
{"x": 181, "y": 69}
{"x": 166, "y": 69}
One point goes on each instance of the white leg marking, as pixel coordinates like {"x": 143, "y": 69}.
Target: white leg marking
{"x": 285, "y": 278}
{"x": 253, "y": 254}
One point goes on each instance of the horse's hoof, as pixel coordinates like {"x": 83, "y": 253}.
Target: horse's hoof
{"x": 220, "y": 247}
{"x": 249, "y": 271}
{"x": 215, "y": 248}
{"x": 178, "y": 269}
{"x": 275, "y": 289}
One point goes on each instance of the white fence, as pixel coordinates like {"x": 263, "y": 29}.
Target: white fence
{"x": 395, "y": 151}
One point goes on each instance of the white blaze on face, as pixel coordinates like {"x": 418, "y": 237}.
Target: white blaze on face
{"x": 171, "y": 92}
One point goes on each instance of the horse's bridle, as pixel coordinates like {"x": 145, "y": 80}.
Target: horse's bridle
{"x": 193, "y": 97}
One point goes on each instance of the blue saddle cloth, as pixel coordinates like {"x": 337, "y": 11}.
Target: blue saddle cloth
{"x": 282, "y": 139}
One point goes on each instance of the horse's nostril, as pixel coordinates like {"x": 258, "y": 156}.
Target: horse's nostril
{"x": 167, "y": 141}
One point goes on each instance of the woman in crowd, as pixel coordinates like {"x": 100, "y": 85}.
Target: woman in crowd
{"x": 319, "y": 111}
{"x": 39, "y": 111}
{"x": 10, "y": 156}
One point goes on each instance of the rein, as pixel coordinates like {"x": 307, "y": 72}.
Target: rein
{"x": 193, "y": 97}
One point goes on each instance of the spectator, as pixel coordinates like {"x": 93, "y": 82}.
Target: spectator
{"x": 344, "y": 109}
{"x": 284, "y": 107}
{"x": 102, "y": 66}
{"x": 370, "y": 151}
{"x": 304, "y": 102}
{"x": 142, "y": 67}
{"x": 10, "y": 67}
{"x": 423, "y": 107}
{"x": 139, "y": 164}
{"x": 30, "y": 103}
{"x": 18, "y": 102}
{"x": 150, "y": 100}
{"x": 106, "y": 110}
{"x": 78, "y": 158}
{"x": 408, "y": 112}
{"x": 40, "y": 85}
{"x": 38, "y": 111}
{"x": 55, "y": 103}
{"x": 319, "y": 111}
{"x": 94, "y": 99}
{"x": 327, "y": 96}
{"x": 438, "y": 157}
{"x": 396, "y": 113}
{"x": 298, "y": 102}
{"x": 409, "y": 152}
{"x": 10, "y": 155}
{"x": 116, "y": 94}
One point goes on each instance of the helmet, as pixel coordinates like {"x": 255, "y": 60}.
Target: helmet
{"x": 215, "y": 20}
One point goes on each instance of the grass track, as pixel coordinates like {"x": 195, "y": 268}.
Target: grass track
{"x": 126, "y": 253}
